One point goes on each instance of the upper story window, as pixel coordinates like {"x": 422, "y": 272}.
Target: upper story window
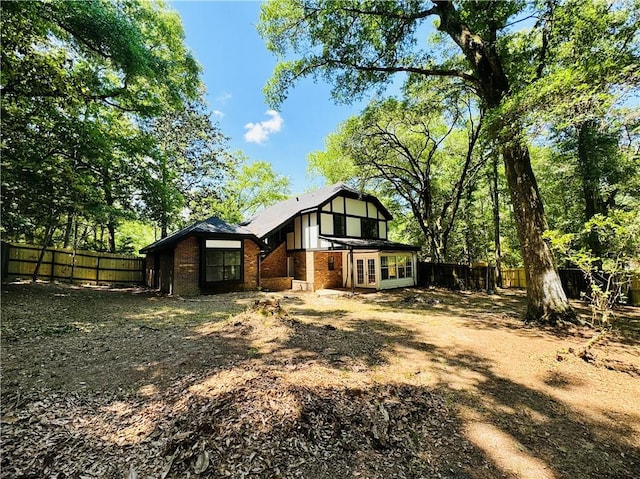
{"x": 339, "y": 225}
{"x": 289, "y": 227}
{"x": 369, "y": 228}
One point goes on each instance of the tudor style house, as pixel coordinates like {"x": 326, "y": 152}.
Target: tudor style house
{"x": 334, "y": 237}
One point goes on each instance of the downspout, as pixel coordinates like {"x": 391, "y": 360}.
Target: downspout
{"x": 353, "y": 272}
{"x": 258, "y": 282}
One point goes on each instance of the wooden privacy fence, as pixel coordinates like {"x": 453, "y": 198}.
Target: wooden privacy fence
{"x": 514, "y": 278}
{"x": 573, "y": 281}
{"x": 455, "y": 276}
{"x": 19, "y": 260}
{"x": 460, "y": 276}
{"x": 634, "y": 293}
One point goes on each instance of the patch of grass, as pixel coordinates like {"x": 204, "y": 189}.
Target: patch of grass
{"x": 253, "y": 353}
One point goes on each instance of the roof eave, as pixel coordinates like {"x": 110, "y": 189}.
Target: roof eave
{"x": 389, "y": 247}
{"x": 201, "y": 234}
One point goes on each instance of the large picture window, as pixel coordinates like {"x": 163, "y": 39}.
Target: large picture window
{"x": 401, "y": 262}
{"x": 396, "y": 267}
{"x": 222, "y": 263}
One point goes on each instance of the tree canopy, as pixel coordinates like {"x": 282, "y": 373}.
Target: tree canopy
{"x": 80, "y": 80}
{"x": 506, "y": 52}
{"x": 420, "y": 147}
{"x": 248, "y": 188}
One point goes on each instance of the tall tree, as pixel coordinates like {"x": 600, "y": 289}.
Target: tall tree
{"x": 126, "y": 54}
{"x": 361, "y": 44}
{"x": 588, "y": 169}
{"x": 422, "y": 148}
{"x": 77, "y": 80}
{"x": 248, "y": 188}
{"x": 188, "y": 162}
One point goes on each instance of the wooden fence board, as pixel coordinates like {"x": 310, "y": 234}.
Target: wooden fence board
{"x": 634, "y": 291}
{"x": 514, "y": 278}
{"x": 81, "y": 266}
{"x": 457, "y": 276}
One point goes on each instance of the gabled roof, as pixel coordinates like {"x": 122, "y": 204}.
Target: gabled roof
{"x": 212, "y": 226}
{"x": 276, "y": 216}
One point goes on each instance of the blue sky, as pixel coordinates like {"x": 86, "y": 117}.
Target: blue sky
{"x": 223, "y": 37}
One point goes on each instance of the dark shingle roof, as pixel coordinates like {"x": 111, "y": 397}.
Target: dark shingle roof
{"x": 377, "y": 244}
{"x": 270, "y": 219}
{"x": 211, "y": 225}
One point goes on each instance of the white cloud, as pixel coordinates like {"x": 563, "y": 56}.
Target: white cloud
{"x": 260, "y": 132}
{"x": 218, "y": 113}
{"x": 224, "y": 98}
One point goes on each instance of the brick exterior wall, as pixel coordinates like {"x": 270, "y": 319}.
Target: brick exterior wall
{"x": 323, "y": 277}
{"x": 276, "y": 284}
{"x": 300, "y": 265}
{"x": 186, "y": 267}
{"x": 275, "y": 265}
{"x": 251, "y": 252}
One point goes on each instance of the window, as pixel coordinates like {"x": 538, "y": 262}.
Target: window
{"x": 384, "y": 267}
{"x": 360, "y": 271}
{"x": 369, "y": 228}
{"x": 223, "y": 265}
{"x": 393, "y": 272}
{"x": 339, "y": 225}
{"x": 371, "y": 270}
{"x": 396, "y": 267}
{"x": 401, "y": 261}
{"x": 331, "y": 263}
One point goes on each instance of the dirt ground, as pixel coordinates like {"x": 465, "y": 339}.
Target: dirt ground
{"x": 420, "y": 383}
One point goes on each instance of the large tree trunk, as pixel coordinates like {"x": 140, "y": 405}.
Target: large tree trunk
{"x": 111, "y": 236}
{"x": 495, "y": 207}
{"x": 546, "y": 300}
{"x": 110, "y": 202}
{"x": 67, "y": 230}
{"x": 48, "y": 236}
{"x": 164, "y": 227}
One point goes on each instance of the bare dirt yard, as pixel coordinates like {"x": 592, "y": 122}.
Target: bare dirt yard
{"x": 421, "y": 383}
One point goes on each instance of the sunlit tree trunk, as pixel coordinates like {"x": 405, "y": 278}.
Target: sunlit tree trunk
{"x": 546, "y": 300}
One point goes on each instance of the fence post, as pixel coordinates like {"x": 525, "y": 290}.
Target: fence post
{"x": 98, "y": 271}
{"x": 4, "y": 261}
{"x": 73, "y": 265}
{"x": 53, "y": 265}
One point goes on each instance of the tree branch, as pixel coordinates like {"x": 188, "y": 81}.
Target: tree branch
{"x": 386, "y": 14}
{"x": 408, "y": 69}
